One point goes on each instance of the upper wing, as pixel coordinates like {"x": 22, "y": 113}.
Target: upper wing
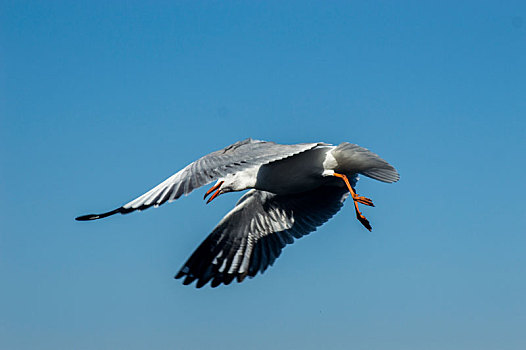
{"x": 352, "y": 158}
{"x": 251, "y": 236}
{"x": 236, "y": 157}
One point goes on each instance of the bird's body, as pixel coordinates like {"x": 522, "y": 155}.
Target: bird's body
{"x": 303, "y": 172}
{"x": 293, "y": 189}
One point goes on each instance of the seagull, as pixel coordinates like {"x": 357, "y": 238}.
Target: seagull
{"x": 293, "y": 190}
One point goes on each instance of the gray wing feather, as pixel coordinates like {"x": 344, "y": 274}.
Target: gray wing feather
{"x": 354, "y": 159}
{"x": 252, "y": 235}
{"x": 229, "y": 160}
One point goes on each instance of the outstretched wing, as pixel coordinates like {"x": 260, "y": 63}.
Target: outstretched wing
{"x": 251, "y": 236}
{"x": 229, "y": 160}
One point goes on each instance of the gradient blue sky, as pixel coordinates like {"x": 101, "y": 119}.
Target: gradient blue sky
{"x": 101, "y": 100}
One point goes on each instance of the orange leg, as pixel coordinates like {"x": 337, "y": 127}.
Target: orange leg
{"x": 357, "y": 199}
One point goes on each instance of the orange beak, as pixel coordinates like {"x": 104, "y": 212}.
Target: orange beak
{"x": 216, "y": 193}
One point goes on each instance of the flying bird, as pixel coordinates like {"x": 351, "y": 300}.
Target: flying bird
{"x": 293, "y": 190}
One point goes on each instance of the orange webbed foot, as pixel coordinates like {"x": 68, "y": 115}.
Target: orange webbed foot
{"x": 364, "y": 221}
{"x": 364, "y": 200}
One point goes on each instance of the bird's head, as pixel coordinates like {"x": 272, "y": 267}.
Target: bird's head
{"x": 229, "y": 183}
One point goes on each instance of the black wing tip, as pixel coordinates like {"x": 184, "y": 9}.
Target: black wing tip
{"x": 214, "y": 281}
{"x": 90, "y": 217}
{"x": 188, "y": 279}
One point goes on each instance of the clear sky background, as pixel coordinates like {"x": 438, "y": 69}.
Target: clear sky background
{"x": 100, "y": 101}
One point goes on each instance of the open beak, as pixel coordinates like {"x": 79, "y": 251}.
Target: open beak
{"x": 216, "y": 188}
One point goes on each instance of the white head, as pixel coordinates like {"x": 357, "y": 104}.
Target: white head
{"x": 231, "y": 183}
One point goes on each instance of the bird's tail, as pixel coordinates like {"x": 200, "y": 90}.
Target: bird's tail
{"x": 352, "y": 158}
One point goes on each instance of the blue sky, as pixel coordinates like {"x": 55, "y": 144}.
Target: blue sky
{"x": 99, "y": 101}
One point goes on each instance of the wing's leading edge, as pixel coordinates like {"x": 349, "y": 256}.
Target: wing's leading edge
{"x": 229, "y": 160}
